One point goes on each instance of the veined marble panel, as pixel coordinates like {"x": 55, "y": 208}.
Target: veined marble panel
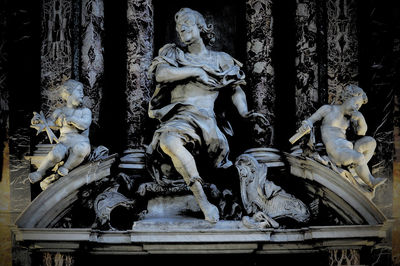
{"x": 260, "y": 72}
{"x": 20, "y": 192}
{"x": 342, "y": 46}
{"x": 306, "y": 92}
{"x": 56, "y": 50}
{"x": 92, "y": 61}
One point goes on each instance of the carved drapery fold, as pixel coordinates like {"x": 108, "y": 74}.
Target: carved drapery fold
{"x": 139, "y": 56}
{"x": 92, "y": 61}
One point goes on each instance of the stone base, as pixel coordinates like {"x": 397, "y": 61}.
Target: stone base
{"x": 172, "y": 207}
{"x": 186, "y": 224}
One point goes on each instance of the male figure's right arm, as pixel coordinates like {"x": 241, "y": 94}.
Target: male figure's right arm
{"x": 166, "y": 73}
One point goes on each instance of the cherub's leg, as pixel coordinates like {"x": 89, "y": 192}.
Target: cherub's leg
{"x": 54, "y": 157}
{"x": 366, "y": 145}
{"x": 358, "y": 160}
{"x": 77, "y": 154}
{"x": 186, "y": 166}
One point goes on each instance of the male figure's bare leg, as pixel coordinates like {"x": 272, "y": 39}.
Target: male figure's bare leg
{"x": 186, "y": 166}
{"x": 54, "y": 156}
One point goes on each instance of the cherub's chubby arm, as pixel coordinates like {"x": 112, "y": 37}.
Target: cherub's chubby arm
{"x": 54, "y": 121}
{"x": 318, "y": 115}
{"x": 82, "y": 121}
{"x": 308, "y": 124}
{"x": 359, "y": 123}
{"x": 166, "y": 73}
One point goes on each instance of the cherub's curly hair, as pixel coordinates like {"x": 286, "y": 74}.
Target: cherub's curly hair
{"x": 352, "y": 90}
{"x": 67, "y": 88}
{"x": 206, "y": 31}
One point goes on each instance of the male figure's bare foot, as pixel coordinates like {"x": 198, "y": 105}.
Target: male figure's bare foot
{"x": 211, "y": 213}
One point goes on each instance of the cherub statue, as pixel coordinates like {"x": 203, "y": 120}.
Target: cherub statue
{"x": 336, "y": 119}
{"x": 189, "y": 80}
{"x": 73, "y": 121}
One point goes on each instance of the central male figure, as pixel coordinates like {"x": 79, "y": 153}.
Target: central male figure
{"x": 189, "y": 81}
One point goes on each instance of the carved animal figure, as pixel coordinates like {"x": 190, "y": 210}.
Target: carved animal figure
{"x": 263, "y": 199}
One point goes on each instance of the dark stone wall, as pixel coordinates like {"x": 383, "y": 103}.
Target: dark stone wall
{"x": 23, "y": 85}
{"x": 379, "y": 33}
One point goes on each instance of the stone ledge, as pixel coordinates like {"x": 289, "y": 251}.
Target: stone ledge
{"x": 218, "y": 239}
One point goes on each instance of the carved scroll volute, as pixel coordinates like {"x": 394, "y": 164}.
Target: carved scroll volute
{"x": 249, "y": 170}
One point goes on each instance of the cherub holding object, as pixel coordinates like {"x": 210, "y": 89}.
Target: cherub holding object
{"x": 336, "y": 120}
{"x": 73, "y": 121}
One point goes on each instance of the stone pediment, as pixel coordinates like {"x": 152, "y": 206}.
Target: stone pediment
{"x": 54, "y": 202}
{"x": 349, "y": 202}
{"x": 171, "y": 232}
{"x": 346, "y": 202}
{"x": 194, "y": 237}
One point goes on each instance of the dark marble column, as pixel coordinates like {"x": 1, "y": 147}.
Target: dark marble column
{"x": 4, "y": 94}
{"x": 23, "y": 88}
{"x": 306, "y": 92}
{"x": 396, "y": 182}
{"x": 259, "y": 69}
{"x": 5, "y": 218}
{"x": 139, "y": 56}
{"x": 322, "y": 51}
{"x": 76, "y": 38}
{"x": 56, "y": 49}
{"x": 92, "y": 62}
{"x": 342, "y": 46}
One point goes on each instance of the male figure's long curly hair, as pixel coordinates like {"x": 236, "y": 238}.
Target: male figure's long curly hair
{"x": 206, "y": 30}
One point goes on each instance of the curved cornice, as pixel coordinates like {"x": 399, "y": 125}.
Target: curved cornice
{"x": 54, "y": 202}
{"x": 348, "y": 201}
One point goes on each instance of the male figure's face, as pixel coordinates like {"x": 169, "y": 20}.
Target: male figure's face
{"x": 187, "y": 29}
